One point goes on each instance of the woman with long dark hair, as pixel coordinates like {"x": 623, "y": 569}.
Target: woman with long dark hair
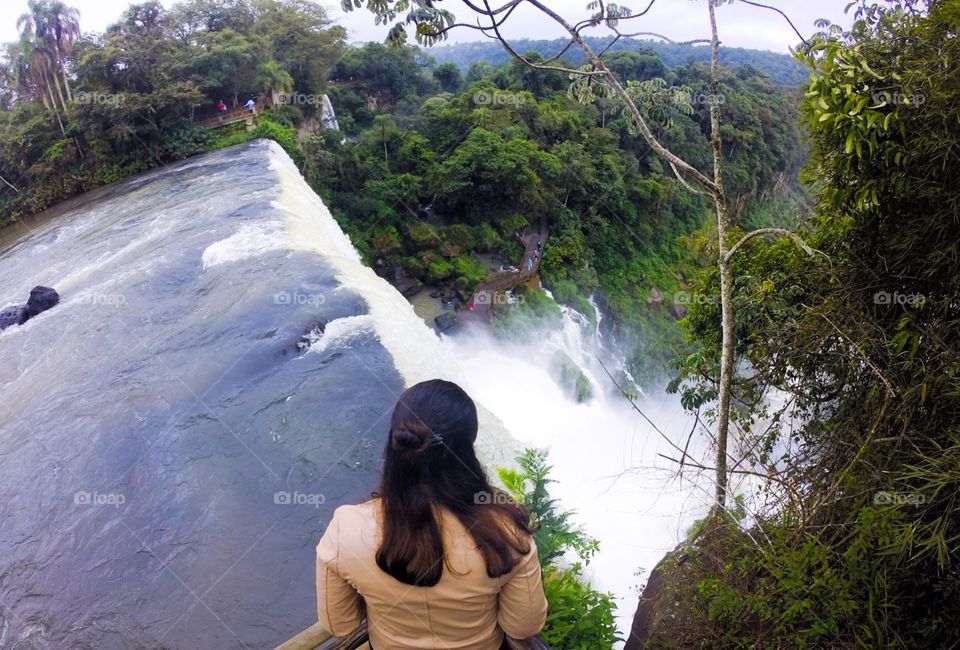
{"x": 438, "y": 558}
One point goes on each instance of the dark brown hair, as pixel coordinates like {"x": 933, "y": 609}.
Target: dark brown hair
{"x": 431, "y": 465}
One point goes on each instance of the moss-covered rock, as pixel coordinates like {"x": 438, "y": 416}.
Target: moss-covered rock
{"x": 568, "y": 374}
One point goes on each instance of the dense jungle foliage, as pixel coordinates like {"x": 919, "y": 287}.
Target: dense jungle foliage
{"x": 858, "y": 544}
{"x": 439, "y": 166}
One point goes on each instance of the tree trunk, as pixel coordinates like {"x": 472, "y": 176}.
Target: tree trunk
{"x": 56, "y": 84}
{"x": 62, "y": 67}
{"x": 726, "y": 289}
{"x": 66, "y": 83}
{"x": 53, "y": 104}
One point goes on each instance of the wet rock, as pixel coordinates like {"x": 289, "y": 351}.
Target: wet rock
{"x": 11, "y": 316}
{"x": 408, "y": 286}
{"x": 672, "y": 612}
{"x": 677, "y": 311}
{"x": 446, "y": 321}
{"x": 570, "y": 377}
{"x": 659, "y": 603}
{"x": 41, "y": 299}
{"x": 655, "y": 297}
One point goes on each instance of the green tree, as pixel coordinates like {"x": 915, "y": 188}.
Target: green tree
{"x": 274, "y": 81}
{"x": 449, "y": 77}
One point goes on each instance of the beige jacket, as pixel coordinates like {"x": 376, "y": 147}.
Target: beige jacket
{"x": 465, "y": 610}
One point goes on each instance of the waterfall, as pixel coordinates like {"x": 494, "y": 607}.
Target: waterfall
{"x": 328, "y": 118}
{"x": 605, "y": 454}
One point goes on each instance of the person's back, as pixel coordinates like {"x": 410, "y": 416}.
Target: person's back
{"x": 434, "y": 561}
{"x": 466, "y": 609}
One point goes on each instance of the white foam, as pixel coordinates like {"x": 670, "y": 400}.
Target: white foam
{"x": 339, "y": 332}
{"x": 250, "y": 240}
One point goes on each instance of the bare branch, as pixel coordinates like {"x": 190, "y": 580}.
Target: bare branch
{"x": 682, "y": 181}
{"x": 12, "y": 186}
{"x": 770, "y": 231}
{"x": 637, "y": 409}
{"x": 785, "y": 17}
{"x": 539, "y": 66}
{"x": 668, "y": 40}
{"x": 746, "y": 472}
{"x": 493, "y": 12}
{"x": 637, "y": 15}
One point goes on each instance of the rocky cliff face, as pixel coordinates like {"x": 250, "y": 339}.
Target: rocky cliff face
{"x": 662, "y": 603}
{"x": 672, "y": 614}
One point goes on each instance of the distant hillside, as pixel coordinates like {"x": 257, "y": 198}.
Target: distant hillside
{"x": 781, "y": 68}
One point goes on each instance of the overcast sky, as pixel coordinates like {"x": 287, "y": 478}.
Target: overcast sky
{"x": 740, "y": 25}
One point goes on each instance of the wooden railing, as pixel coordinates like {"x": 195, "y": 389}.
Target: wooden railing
{"x": 316, "y": 637}
{"x": 240, "y": 114}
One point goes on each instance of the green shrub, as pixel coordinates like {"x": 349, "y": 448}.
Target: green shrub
{"x": 187, "y": 140}
{"x": 230, "y": 139}
{"x": 579, "y": 617}
{"x": 469, "y": 272}
{"x": 285, "y": 136}
{"x": 287, "y": 115}
{"x": 532, "y": 311}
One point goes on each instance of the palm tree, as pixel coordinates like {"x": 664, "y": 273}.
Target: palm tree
{"x": 52, "y": 28}
{"x": 33, "y": 68}
{"x": 274, "y": 81}
{"x": 64, "y": 25}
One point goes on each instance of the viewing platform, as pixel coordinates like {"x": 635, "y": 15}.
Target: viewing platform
{"x": 233, "y": 116}
{"x": 487, "y": 292}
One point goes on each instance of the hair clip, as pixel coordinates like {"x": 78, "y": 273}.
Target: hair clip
{"x": 437, "y": 439}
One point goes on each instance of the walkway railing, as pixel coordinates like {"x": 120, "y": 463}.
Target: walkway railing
{"x": 240, "y": 114}
{"x": 317, "y": 638}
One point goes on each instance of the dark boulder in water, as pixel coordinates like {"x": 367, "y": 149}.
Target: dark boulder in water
{"x": 11, "y": 316}
{"x": 41, "y": 299}
{"x": 446, "y": 321}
